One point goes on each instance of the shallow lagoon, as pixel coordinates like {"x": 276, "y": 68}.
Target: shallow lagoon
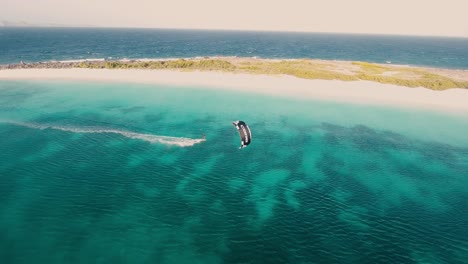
{"x": 321, "y": 182}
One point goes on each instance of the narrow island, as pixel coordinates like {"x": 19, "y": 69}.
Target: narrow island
{"x": 406, "y": 76}
{"x": 339, "y": 81}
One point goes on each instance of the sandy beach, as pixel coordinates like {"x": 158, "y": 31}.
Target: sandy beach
{"x": 365, "y": 92}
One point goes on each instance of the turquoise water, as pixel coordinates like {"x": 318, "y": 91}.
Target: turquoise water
{"x": 118, "y": 173}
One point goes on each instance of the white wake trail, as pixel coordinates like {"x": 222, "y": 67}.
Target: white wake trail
{"x": 177, "y": 141}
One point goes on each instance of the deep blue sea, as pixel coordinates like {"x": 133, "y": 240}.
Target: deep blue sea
{"x": 44, "y": 44}
{"x": 103, "y": 172}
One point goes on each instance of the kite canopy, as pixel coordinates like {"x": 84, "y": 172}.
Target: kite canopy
{"x": 244, "y": 133}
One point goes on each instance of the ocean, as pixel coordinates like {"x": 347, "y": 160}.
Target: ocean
{"x": 49, "y": 44}
{"x": 95, "y": 172}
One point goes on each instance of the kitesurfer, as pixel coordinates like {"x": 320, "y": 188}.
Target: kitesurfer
{"x": 244, "y": 133}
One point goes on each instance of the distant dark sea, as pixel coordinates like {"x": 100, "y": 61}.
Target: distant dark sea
{"x": 45, "y": 44}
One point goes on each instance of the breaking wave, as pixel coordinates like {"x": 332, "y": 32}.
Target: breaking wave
{"x": 155, "y": 139}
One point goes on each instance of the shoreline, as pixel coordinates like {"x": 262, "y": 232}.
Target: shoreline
{"x": 361, "y": 92}
{"x": 313, "y": 69}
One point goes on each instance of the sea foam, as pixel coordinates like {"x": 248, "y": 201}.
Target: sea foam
{"x": 154, "y": 139}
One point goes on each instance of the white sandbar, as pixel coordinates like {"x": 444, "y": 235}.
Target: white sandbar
{"x": 279, "y": 85}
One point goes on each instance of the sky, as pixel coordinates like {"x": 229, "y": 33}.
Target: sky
{"x": 401, "y": 17}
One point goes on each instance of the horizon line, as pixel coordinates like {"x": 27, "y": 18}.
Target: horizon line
{"x": 27, "y": 25}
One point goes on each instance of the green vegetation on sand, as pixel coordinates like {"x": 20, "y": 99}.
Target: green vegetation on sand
{"x": 435, "y": 79}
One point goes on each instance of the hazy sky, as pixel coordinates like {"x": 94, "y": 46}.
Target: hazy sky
{"x": 408, "y": 17}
